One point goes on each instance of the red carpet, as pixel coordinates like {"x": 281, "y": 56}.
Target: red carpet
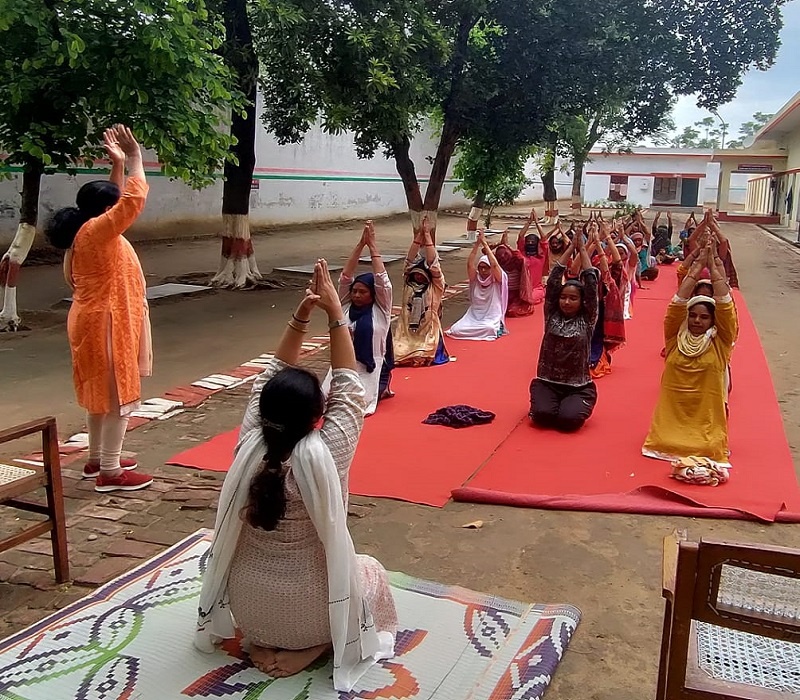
{"x": 215, "y": 455}
{"x": 597, "y": 469}
{"x": 601, "y": 467}
{"x": 400, "y": 457}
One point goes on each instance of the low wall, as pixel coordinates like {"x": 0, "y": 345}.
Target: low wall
{"x": 320, "y": 179}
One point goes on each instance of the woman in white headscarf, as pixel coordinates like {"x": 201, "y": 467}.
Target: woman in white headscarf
{"x": 282, "y": 567}
{"x": 690, "y": 419}
{"x": 488, "y": 296}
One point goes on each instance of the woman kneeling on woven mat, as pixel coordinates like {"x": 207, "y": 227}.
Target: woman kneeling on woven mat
{"x": 563, "y": 394}
{"x": 282, "y": 566}
{"x": 690, "y": 418}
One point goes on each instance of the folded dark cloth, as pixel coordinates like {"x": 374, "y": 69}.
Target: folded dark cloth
{"x": 460, "y": 416}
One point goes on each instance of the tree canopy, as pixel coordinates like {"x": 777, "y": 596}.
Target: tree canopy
{"x": 72, "y": 67}
{"x": 501, "y": 70}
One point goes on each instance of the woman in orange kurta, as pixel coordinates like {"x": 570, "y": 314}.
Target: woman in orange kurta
{"x": 108, "y": 324}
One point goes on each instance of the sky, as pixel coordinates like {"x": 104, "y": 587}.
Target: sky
{"x": 761, "y": 91}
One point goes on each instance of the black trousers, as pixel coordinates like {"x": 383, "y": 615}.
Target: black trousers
{"x": 562, "y": 407}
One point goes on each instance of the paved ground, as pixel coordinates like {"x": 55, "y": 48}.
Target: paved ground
{"x": 606, "y": 564}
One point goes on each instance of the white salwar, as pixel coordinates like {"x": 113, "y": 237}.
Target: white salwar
{"x": 381, "y": 321}
{"x": 488, "y": 304}
{"x": 317, "y": 478}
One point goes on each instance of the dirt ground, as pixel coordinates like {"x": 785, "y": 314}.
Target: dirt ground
{"x": 606, "y": 564}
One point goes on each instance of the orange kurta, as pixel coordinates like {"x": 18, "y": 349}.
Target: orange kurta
{"x": 109, "y": 308}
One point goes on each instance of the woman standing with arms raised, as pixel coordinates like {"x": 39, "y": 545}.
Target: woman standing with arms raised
{"x": 109, "y": 323}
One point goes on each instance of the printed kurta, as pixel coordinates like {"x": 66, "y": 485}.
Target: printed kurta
{"x": 418, "y": 331}
{"x": 690, "y": 418}
{"x": 278, "y": 581}
{"x": 381, "y": 320}
{"x": 564, "y": 353}
{"x": 108, "y": 323}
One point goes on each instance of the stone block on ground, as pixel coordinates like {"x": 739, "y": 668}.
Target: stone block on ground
{"x": 93, "y": 511}
{"x": 38, "y": 546}
{"x": 6, "y": 571}
{"x": 40, "y": 580}
{"x": 132, "y": 549}
{"x": 104, "y": 570}
{"x": 156, "y": 535}
{"x": 100, "y": 527}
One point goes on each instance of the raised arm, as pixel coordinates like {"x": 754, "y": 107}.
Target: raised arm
{"x": 117, "y": 157}
{"x": 287, "y": 354}
{"x": 416, "y": 244}
{"x": 497, "y": 271}
{"x": 342, "y": 354}
{"x": 291, "y": 341}
{"x": 722, "y": 242}
{"x": 654, "y": 228}
{"x": 378, "y": 266}
{"x": 119, "y": 218}
{"x": 727, "y": 321}
{"x": 611, "y": 247}
{"x": 427, "y": 242}
{"x": 474, "y": 255}
{"x": 690, "y": 280}
{"x": 669, "y": 225}
{"x": 351, "y": 265}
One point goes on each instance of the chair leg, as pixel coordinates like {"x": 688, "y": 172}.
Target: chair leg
{"x": 661, "y": 688}
{"x": 55, "y": 503}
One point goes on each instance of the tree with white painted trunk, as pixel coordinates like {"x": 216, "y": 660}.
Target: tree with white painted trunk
{"x": 379, "y": 69}
{"x": 72, "y": 67}
{"x": 238, "y": 267}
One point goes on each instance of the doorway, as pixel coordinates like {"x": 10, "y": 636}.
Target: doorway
{"x": 690, "y": 189}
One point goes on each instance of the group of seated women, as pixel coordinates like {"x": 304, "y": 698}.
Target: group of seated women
{"x": 282, "y": 570}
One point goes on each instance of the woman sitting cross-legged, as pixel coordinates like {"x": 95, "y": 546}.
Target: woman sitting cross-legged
{"x": 690, "y": 418}
{"x": 367, "y": 305}
{"x": 488, "y": 296}
{"x": 282, "y": 566}
{"x": 563, "y": 394}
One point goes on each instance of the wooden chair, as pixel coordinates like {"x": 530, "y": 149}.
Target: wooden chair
{"x": 731, "y": 621}
{"x": 18, "y": 481}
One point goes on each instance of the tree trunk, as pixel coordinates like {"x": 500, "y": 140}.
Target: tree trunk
{"x": 577, "y": 179}
{"x": 441, "y": 162}
{"x": 550, "y": 194}
{"x": 549, "y": 180}
{"x": 238, "y": 267}
{"x": 475, "y": 214}
{"x": 21, "y": 245}
{"x": 400, "y": 150}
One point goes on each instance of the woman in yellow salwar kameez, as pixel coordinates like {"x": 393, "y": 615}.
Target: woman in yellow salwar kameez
{"x": 690, "y": 418}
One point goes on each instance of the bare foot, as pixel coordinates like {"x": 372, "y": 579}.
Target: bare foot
{"x": 263, "y": 658}
{"x": 289, "y": 662}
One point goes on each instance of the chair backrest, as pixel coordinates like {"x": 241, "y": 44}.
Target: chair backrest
{"x": 748, "y": 588}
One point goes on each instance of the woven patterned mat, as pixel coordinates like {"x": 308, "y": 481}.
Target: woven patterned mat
{"x": 132, "y": 638}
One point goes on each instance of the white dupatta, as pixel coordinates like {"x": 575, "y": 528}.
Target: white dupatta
{"x": 357, "y": 645}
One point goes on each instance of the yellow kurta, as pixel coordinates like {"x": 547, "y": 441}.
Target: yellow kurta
{"x": 109, "y": 306}
{"x": 690, "y": 417}
{"x": 417, "y": 347}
